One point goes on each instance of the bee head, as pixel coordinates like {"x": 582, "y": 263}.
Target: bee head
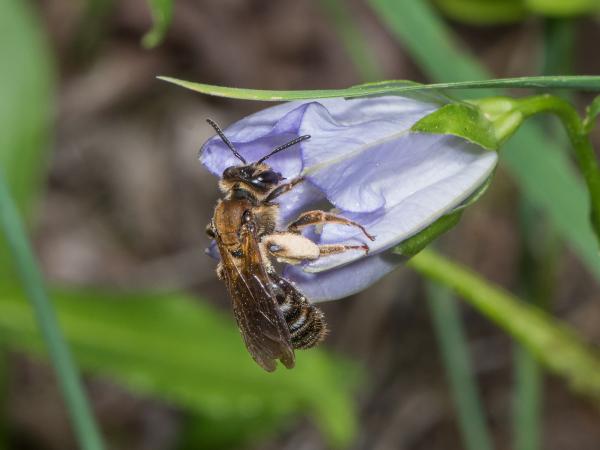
{"x": 258, "y": 176}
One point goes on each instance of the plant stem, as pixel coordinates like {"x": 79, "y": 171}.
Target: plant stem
{"x": 553, "y": 344}
{"x": 454, "y": 348}
{"x": 580, "y": 140}
{"x": 79, "y": 410}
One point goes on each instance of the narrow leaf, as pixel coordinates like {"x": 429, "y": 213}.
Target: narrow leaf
{"x": 66, "y": 371}
{"x": 581, "y": 82}
{"x": 452, "y": 341}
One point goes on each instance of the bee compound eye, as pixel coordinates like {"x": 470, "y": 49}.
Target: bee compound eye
{"x": 247, "y": 216}
{"x": 269, "y": 177}
{"x": 229, "y": 172}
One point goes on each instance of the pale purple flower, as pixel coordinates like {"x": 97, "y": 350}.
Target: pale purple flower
{"x": 363, "y": 160}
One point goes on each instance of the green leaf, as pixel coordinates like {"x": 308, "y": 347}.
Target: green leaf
{"x": 581, "y": 82}
{"x": 463, "y": 120}
{"x": 552, "y": 342}
{"x": 162, "y": 13}
{"x": 26, "y": 82}
{"x": 543, "y": 172}
{"x": 484, "y": 12}
{"x": 181, "y": 350}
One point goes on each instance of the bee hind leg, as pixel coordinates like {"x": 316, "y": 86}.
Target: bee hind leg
{"x": 333, "y": 249}
{"x": 294, "y": 248}
{"x": 291, "y": 248}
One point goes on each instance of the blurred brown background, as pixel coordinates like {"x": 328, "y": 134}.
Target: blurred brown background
{"x": 127, "y": 202}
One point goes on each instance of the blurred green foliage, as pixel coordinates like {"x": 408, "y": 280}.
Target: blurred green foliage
{"x": 165, "y": 345}
{"x": 173, "y": 347}
{"x": 26, "y": 85}
{"x": 494, "y": 12}
{"x": 162, "y": 13}
{"x": 180, "y": 349}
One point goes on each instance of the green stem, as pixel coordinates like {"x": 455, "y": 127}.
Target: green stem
{"x": 580, "y": 140}
{"x": 553, "y": 344}
{"x": 79, "y": 410}
{"x": 454, "y": 348}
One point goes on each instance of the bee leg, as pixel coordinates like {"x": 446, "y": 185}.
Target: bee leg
{"x": 280, "y": 190}
{"x": 220, "y": 269}
{"x": 332, "y": 249}
{"x": 291, "y": 248}
{"x": 294, "y": 248}
{"x": 210, "y": 232}
{"x": 321, "y": 217}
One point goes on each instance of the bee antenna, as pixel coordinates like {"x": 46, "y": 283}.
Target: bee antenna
{"x": 284, "y": 146}
{"x": 213, "y": 124}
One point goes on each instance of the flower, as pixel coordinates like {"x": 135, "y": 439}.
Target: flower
{"x": 363, "y": 160}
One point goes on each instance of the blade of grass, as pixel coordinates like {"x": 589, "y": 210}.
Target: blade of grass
{"x": 451, "y": 338}
{"x": 461, "y": 72}
{"x": 541, "y": 249}
{"x": 79, "y": 410}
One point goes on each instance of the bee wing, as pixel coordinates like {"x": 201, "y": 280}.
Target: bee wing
{"x": 258, "y": 316}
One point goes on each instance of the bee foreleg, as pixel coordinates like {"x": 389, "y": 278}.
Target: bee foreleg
{"x": 321, "y": 217}
{"x": 280, "y": 190}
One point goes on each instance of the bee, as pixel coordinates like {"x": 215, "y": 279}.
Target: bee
{"x": 273, "y": 316}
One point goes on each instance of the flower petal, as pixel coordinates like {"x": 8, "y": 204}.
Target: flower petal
{"x": 446, "y": 180}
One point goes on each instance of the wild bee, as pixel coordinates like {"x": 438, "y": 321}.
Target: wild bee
{"x": 273, "y": 316}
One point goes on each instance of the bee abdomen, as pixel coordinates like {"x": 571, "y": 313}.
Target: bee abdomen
{"x": 305, "y": 321}
{"x": 309, "y": 329}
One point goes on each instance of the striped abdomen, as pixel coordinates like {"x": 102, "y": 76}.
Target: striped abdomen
{"x": 305, "y": 321}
